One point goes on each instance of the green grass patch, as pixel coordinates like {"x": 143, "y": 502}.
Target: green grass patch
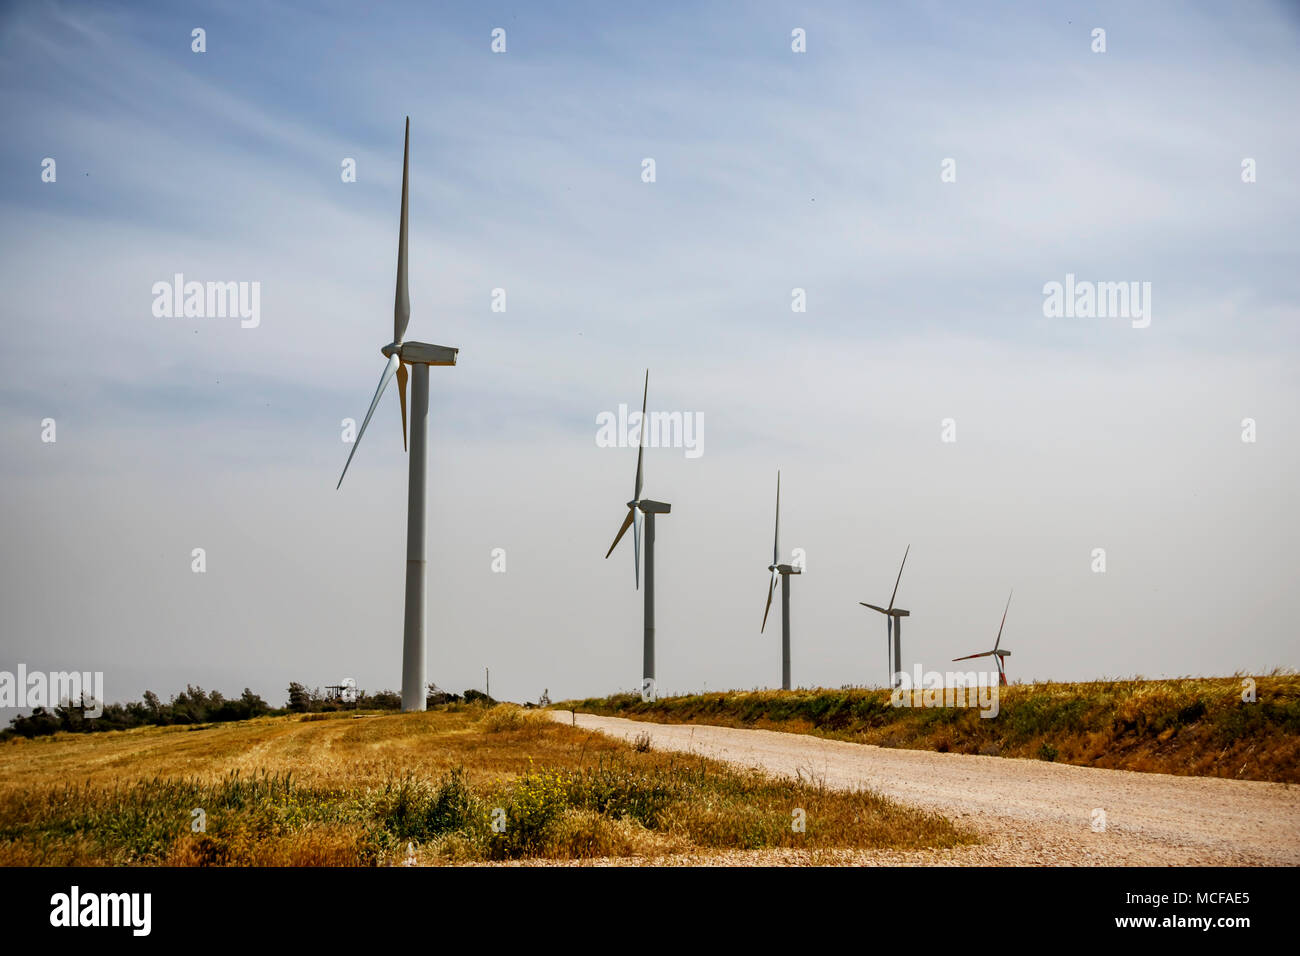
{"x": 1202, "y": 726}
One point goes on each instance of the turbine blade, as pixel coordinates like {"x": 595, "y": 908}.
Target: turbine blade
{"x": 401, "y": 393}
{"x": 1004, "y": 621}
{"x": 636, "y": 544}
{"x": 1002, "y": 672}
{"x": 873, "y": 607}
{"x": 776, "y": 538}
{"x": 640, "y": 449}
{"x": 402, "y": 300}
{"x": 899, "y": 578}
{"x": 389, "y": 369}
{"x": 972, "y": 656}
{"x": 771, "y": 586}
{"x": 627, "y": 523}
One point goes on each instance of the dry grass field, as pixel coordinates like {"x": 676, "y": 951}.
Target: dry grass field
{"x": 340, "y": 790}
{"x": 1190, "y": 726}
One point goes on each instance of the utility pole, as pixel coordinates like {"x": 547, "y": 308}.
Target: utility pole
{"x": 487, "y": 678}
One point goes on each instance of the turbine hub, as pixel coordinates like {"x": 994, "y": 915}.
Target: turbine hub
{"x": 388, "y": 350}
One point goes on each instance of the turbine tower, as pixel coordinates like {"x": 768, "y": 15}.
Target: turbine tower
{"x": 418, "y": 355}
{"x": 893, "y": 626}
{"x": 785, "y": 570}
{"x": 996, "y": 654}
{"x": 635, "y": 508}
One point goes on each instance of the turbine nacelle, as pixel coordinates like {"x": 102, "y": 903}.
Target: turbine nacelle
{"x": 995, "y": 653}
{"x": 894, "y": 612}
{"x": 420, "y": 353}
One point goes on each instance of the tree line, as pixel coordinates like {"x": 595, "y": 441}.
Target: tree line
{"x": 194, "y": 705}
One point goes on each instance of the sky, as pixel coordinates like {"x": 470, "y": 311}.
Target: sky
{"x": 920, "y": 171}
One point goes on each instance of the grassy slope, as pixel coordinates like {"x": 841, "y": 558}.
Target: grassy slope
{"x": 1187, "y": 726}
{"x": 343, "y": 791}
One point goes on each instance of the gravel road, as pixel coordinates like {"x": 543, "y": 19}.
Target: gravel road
{"x": 1029, "y": 812}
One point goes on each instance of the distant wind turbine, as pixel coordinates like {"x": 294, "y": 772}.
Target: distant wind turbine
{"x": 784, "y": 570}
{"x": 893, "y": 626}
{"x": 996, "y": 654}
{"x": 419, "y": 356}
{"x": 635, "y": 508}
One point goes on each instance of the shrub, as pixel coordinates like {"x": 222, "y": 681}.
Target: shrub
{"x": 411, "y": 809}
{"x": 505, "y": 717}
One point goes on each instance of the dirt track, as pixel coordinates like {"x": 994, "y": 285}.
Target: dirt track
{"x": 1029, "y": 812}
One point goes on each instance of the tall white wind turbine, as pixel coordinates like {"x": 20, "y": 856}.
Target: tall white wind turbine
{"x": 893, "y": 627}
{"x": 784, "y": 570}
{"x": 998, "y": 654}
{"x": 637, "y": 507}
{"x": 418, "y": 355}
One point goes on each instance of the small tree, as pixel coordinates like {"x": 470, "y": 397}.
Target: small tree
{"x": 299, "y": 698}
{"x": 380, "y": 700}
{"x": 252, "y": 704}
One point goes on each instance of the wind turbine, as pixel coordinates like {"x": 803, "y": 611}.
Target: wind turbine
{"x": 635, "y": 508}
{"x": 893, "y": 626}
{"x": 418, "y": 355}
{"x": 995, "y": 653}
{"x": 785, "y": 570}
